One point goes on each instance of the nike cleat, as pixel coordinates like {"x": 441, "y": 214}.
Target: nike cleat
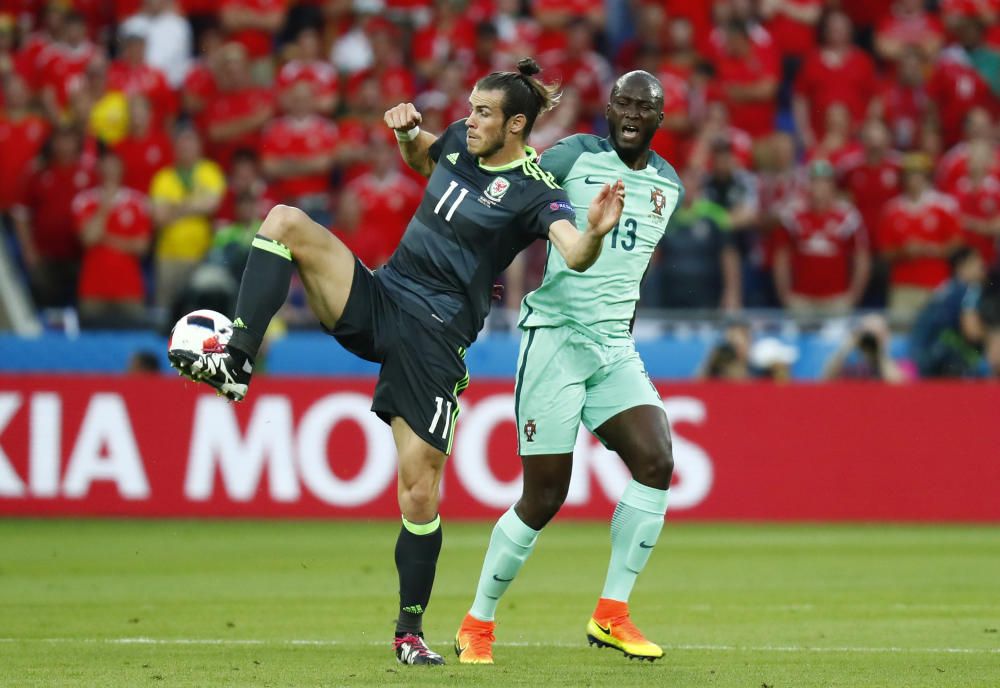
{"x": 223, "y": 371}
{"x": 474, "y": 641}
{"x": 612, "y": 627}
{"x": 411, "y": 649}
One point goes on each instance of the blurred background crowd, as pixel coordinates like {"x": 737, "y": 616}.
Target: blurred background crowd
{"x": 840, "y": 156}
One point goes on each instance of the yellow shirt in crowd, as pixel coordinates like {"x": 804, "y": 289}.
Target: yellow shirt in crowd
{"x": 187, "y": 238}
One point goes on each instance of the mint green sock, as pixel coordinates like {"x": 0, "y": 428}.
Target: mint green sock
{"x": 510, "y": 546}
{"x": 635, "y": 526}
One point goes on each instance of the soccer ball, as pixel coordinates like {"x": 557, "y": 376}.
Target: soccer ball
{"x": 201, "y": 332}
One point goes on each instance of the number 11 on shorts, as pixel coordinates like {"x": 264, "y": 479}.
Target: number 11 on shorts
{"x": 437, "y": 415}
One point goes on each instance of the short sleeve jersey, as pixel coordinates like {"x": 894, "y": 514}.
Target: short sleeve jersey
{"x": 472, "y": 221}
{"x": 600, "y": 301}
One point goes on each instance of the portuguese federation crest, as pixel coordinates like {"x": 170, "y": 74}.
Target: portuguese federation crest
{"x": 497, "y": 188}
{"x": 658, "y": 200}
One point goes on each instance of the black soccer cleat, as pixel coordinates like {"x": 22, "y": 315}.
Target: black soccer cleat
{"x": 223, "y": 371}
{"x": 411, "y": 649}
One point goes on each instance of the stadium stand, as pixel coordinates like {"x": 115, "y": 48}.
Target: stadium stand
{"x": 217, "y": 111}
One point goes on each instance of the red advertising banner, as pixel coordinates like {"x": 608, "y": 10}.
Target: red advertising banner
{"x": 151, "y": 446}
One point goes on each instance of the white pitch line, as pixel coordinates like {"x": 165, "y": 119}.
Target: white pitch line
{"x": 681, "y": 647}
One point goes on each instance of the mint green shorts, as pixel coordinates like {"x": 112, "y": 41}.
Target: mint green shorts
{"x": 564, "y": 377}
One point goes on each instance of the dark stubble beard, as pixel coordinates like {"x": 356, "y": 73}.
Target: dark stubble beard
{"x": 492, "y": 146}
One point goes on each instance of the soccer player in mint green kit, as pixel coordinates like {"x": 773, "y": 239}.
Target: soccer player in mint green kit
{"x": 578, "y": 362}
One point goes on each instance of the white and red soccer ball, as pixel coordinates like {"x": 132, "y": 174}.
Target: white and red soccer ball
{"x": 201, "y": 332}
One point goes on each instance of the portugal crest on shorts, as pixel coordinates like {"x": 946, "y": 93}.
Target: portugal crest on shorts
{"x": 658, "y": 200}
{"x": 529, "y": 430}
{"x": 497, "y": 188}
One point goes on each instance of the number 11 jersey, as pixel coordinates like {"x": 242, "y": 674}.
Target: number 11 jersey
{"x": 472, "y": 221}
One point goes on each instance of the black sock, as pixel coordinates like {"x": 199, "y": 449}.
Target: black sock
{"x": 417, "y": 550}
{"x": 262, "y": 292}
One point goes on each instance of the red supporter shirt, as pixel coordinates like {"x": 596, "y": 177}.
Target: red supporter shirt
{"x": 933, "y": 219}
{"x": 757, "y": 117}
{"x": 60, "y": 66}
{"x": 911, "y": 29}
{"x": 143, "y": 157}
{"x": 396, "y": 84}
{"x": 299, "y": 139}
{"x": 554, "y": 39}
{"x": 322, "y": 76}
{"x": 30, "y": 57}
{"x": 200, "y": 83}
{"x": 903, "y": 108}
{"x": 20, "y": 142}
{"x": 982, "y": 203}
{"x": 826, "y": 79}
{"x": 126, "y": 8}
{"x": 232, "y": 106}
{"x": 838, "y": 157}
{"x": 149, "y": 82}
{"x": 822, "y": 245}
{"x": 954, "y": 165}
{"x": 585, "y": 74}
{"x": 955, "y": 87}
{"x": 108, "y": 273}
{"x": 699, "y": 14}
{"x": 675, "y": 102}
{"x": 871, "y": 186}
{"x": 386, "y": 208}
{"x": 866, "y": 13}
{"x": 257, "y": 42}
{"x": 793, "y": 37}
{"x": 48, "y": 198}
{"x": 439, "y": 43}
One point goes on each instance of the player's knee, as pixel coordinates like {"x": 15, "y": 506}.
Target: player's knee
{"x": 284, "y": 223}
{"x": 540, "y": 506}
{"x": 654, "y": 464}
{"x": 418, "y": 499}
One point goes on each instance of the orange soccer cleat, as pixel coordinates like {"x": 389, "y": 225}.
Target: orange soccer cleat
{"x": 611, "y": 626}
{"x": 474, "y": 641}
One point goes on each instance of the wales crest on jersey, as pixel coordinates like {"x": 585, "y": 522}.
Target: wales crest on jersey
{"x": 497, "y": 188}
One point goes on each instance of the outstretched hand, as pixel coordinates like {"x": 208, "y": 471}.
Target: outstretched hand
{"x": 606, "y": 208}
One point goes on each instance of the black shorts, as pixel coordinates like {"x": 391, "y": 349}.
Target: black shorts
{"x": 422, "y": 372}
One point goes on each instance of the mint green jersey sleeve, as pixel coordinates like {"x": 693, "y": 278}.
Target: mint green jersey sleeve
{"x": 560, "y": 158}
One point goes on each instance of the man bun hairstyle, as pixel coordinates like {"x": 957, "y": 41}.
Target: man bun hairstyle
{"x": 523, "y": 93}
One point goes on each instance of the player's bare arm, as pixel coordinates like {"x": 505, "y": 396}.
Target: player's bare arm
{"x": 580, "y": 250}
{"x": 414, "y": 143}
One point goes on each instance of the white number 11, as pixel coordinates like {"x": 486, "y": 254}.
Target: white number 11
{"x": 437, "y": 414}
{"x": 451, "y": 210}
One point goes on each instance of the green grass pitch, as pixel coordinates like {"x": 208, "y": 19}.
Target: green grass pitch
{"x": 189, "y": 603}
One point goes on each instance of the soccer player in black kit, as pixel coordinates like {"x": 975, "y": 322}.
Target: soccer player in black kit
{"x": 486, "y": 200}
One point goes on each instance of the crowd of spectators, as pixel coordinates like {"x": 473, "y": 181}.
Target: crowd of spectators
{"x": 838, "y": 154}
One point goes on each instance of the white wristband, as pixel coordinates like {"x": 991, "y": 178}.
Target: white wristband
{"x": 409, "y": 134}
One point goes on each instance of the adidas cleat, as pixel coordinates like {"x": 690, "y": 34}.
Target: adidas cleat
{"x": 616, "y": 630}
{"x": 223, "y": 371}
{"x": 411, "y": 649}
{"x": 474, "y": 641}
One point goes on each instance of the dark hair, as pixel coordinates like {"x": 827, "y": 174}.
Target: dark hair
{"x": 959, "y": 256}
{"x": 523, "y": 94}
{"x": 245, "y": 155}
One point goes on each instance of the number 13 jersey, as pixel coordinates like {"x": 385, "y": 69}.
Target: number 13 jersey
{"x": 600, "y": 302}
